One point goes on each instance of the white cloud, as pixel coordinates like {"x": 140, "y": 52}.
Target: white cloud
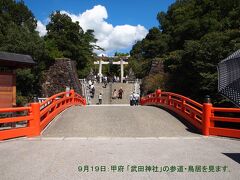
{"x": 109, "y": 37}
{"x": 41, "y": 28}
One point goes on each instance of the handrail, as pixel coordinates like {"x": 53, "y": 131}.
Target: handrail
{"x": 36, "y": 118}
{"x": 202, "y": 116}
{"x": 4, "y": 110}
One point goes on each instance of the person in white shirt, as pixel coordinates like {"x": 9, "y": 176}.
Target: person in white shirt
{"x": 100, "y": 98}
{"x": 136, "y": 97}
{"x": 114, "y": 94}
{"x": 92, "y": 91}
{"x": 90, "y": 83}
{"x": 131, "y": 99}
{"x": 117, "y": 79}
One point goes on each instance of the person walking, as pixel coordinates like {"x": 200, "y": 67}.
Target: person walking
{"x": 100, "y": 98}
{"x": 117, "y": 79}
{"x": 114, "y": 94}
{"x": 131, "y": 99}
{"x": 89, "y": 83}
{"x": 120, "y": 93}
{"x": 105, "y": 81}
{"x": 92, "y": 92}
{"x": 136, "y": 99}
{"x": 114, "y": 79}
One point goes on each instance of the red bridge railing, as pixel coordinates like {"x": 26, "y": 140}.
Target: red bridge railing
{"x": 37, "y": 116}
{"x": 204, "y": 116}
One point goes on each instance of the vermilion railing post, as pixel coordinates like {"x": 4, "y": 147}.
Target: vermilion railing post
{"x": 206, "y": 115}
{"x": 35, "y": 122}
{"x": 169, "y": 100}
{"x": 158, "y": 94}
{"x": 72, "y": 96}
{"x": 183, "y": 105}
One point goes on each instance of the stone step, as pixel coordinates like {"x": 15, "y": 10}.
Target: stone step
{"x": 107, "y": 93}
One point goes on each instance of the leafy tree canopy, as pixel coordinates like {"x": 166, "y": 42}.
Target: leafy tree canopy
{"x": 64, "y": 39}
{"x": 121, "y": 54}
{"x": 67, "y": 39}
{"x": 18, "y": 35}
{"x": 192, "y": 37}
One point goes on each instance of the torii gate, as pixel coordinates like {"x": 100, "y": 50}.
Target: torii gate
{"x": 121, "y": 62}
{"x": 100, "y": 62}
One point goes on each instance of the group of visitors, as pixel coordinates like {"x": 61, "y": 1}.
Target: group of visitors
{"x": 134, "y": 99}
{"x": 107, "y": 79}
{"x": 116, "y": 79}
{"x": 117, "y": 94}
{"x": 103, "y": 78}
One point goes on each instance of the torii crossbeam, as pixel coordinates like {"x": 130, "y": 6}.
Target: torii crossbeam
{"x": 100, "y": 62}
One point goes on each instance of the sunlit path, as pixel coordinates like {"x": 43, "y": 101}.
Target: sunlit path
{"x": 116, "y": 121}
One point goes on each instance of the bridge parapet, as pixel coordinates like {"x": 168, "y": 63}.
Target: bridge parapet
{"x": 37, "y": 116}
{"x": 204, "y": 116}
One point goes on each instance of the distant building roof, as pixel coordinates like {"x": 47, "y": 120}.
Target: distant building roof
{"x": 15, "y": 60}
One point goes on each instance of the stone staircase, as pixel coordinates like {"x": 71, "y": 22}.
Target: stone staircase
{"x": 128, "y": 88}
{"x": 105, "y": 94}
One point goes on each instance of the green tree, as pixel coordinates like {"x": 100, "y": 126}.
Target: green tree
{"x": 143, "y": 52}
{"x": 67, "y": 39}
{"x": 121, "y": 54}
{"x": 18, "y": 35}
{"x": 193, "y": 36}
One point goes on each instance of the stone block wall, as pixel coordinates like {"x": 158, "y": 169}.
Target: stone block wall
{"x": 61, "y": 74}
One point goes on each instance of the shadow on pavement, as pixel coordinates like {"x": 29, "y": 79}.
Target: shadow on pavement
{"x": 233, "y": 156}
{"x": 189, "y": 127}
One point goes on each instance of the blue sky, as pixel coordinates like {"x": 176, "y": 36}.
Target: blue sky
{"x": 117, "y": 23}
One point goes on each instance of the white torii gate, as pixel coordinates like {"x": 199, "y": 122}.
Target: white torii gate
{"x": 100, "y": 62}
{"x": 122, "y": 63}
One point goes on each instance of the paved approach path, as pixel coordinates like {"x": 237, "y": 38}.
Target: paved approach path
{"x": 116, "y": 121}
{"x": 152, "y": 137}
